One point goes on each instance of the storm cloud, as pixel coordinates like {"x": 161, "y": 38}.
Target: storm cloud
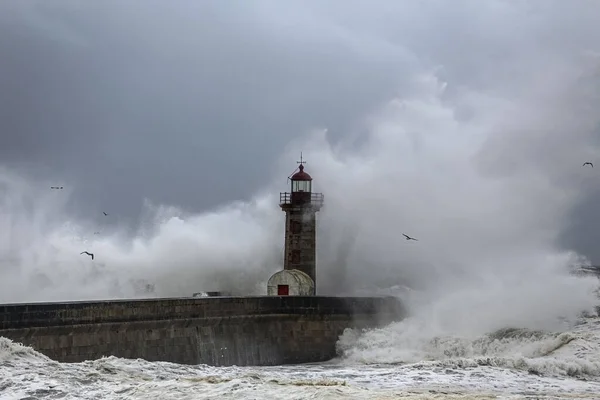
{"x": 151, "y": 99}
{"x": 463, "y": 123}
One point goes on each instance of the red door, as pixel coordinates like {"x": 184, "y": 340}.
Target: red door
{"x": 283, "y": 290}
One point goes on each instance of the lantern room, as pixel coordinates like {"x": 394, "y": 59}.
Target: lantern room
{"x": 301, "y": 181}
{"x": 301, "y": 187}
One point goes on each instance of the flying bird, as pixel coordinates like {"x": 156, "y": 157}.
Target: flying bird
{"x": 104, "y": 213}
{"x": 587, "y": 163}
{"x": 56, "y": 187}
{"x": 89, "y": 254}
{"x": 409, "y": 238}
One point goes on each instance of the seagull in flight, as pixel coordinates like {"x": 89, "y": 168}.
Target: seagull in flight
{"x": 56, "y": 187}
{"x": 89, "y": 254}
{"x": 409, "y": 238}
{"x": 587, "y": 163}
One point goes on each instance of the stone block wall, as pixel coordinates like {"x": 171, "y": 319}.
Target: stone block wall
{"x": 301, "y": 240}
{"x": 216, "y": 331}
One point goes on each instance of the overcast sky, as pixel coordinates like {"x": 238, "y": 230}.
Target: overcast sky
{"x": 186, "y": 103}
{"x": 199, "y": 103}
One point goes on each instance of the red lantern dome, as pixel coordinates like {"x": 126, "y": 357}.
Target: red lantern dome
{"x": 301, "y": 175}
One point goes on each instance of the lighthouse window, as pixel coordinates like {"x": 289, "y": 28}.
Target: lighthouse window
{"x": 301, "y": 186}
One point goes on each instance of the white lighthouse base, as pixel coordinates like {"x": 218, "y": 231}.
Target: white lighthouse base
{"x": 290, "y": 282}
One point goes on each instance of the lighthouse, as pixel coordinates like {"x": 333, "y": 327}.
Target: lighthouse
{"x": 300, "y": 205}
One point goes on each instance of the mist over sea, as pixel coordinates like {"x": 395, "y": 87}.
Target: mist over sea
{"x": 464, "y": 124}
{"x": 490, "y": 315}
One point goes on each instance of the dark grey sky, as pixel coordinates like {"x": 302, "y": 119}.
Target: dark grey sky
{"x": 148, "y": 99}
{"x": 194, "y": 103}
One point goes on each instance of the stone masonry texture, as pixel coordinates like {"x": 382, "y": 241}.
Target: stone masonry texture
{"x": 301, "y": 240}
{"x": 216, "y": 331}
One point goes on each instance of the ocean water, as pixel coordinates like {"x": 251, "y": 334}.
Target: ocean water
{"x": 385, "y": 363}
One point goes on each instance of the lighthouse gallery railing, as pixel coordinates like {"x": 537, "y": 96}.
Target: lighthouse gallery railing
{"x": 315, "y": 198}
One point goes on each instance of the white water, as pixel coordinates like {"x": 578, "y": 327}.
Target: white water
{"x": 378, "y": 365}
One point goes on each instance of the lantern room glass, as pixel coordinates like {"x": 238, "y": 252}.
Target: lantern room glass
{"x": 301, "y": 186}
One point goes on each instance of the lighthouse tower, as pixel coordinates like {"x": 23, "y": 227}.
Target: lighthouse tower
{"x": 300, "y": 205}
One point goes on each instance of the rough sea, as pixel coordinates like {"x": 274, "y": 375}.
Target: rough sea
{"x": 387, "y": 363}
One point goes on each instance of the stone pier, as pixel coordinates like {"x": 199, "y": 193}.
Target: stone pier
{"x": 217, "y": 331}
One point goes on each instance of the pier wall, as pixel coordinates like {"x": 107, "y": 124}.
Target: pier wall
{"x": 216, "y": 331}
